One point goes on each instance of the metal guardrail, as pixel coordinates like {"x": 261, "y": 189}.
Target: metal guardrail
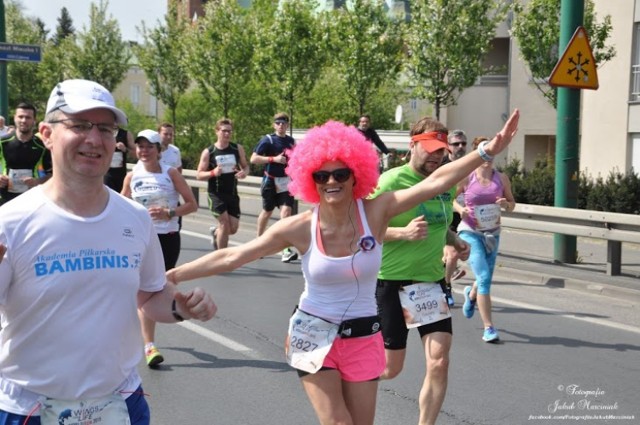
{"x": 249, "y": 185}
{"x": 615, "y": 228}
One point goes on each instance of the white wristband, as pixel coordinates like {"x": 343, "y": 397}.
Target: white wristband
{"x": 483, "y": 154}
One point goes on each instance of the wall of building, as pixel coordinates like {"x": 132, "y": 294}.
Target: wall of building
{"x": 537, "y": 117}
{"x": 605, "y": 140}
{"x": 134, "y": 88}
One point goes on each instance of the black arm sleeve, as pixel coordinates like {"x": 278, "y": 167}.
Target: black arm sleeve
{"x": 379, "y": 143}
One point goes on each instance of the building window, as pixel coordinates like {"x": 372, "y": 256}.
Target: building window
{"x": 135, "y": 94}
{"x": 635, "y": 65}
{"x": 635, "y": 152}
{"x": 153, "y": 106}
{"x": 496, "y": 64}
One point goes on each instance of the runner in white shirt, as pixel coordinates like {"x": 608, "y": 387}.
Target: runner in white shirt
{"x": 80, "y": 259}
{"x": 158, "y": 188}
{"x": 170, "y": 153}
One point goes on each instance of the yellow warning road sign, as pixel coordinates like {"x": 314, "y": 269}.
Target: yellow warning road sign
{"x": 577, "y": 67}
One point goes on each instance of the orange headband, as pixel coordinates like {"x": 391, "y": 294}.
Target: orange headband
{"x": 438, "y": 135}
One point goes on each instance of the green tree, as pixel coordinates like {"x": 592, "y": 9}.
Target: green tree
{"x": 22, "y": 77}
{"x": 161, "y": 58}
{"x": 447, "y": 41}
{"x": 137, "y": 119}
{"x": 42, "y": 28}
{"x": 65, "y": 27}
{"x": 102, "y": 56}
{"x": 195, "y": 130}
{"x": 219, "y": 53}
{"x": 366, "y": 48}
{"x": 329, "y": 100}
{"x": 536, "y": 27}
{"x": 291, "y": 54}
{"x": 57, "y": 62}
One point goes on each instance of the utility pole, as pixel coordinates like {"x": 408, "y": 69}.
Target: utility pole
{"x": 568, "y": 135}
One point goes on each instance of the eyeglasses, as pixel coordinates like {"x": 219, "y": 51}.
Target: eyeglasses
{"x": 280, "y": 122}
{"x": 340, "y": 175}
{"x": 82, "y": 127}
{"x": 458, "y": 144}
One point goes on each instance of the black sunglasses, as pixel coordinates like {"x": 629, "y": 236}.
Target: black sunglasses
{"x": 456, "y": 144}
{"x": 340, "y": 175}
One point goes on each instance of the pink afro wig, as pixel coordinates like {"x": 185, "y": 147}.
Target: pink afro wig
{"x": 332, "y": 141}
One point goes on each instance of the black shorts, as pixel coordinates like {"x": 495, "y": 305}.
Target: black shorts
{"x": 220, "y": 203}
{"x": 454, "y": 223}
{"x": 394, "y": 329}
{"x": 271, "y": 198}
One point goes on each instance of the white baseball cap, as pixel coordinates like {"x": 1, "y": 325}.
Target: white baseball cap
{"x": 75, "y": 96}
{"x": 151, "y": 136}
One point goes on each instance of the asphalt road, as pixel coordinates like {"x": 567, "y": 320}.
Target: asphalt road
{"x": 563, "y": 352}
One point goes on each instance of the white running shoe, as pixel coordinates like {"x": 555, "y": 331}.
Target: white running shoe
{"x": 289, "y": 255}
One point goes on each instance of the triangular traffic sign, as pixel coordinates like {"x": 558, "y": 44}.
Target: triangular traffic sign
{"x": 577, "y": 66}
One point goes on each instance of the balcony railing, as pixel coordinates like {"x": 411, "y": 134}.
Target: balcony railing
{"x": 635, "y": 83}
{"x": 493, "y": 80}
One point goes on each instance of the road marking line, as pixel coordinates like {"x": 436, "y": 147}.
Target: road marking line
{"x": 206, "y": 237}
{"x": 593, "y": 320}
{"x": 222, "y": 340}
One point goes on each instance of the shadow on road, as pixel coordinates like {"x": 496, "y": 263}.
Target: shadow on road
{"x": 563, "y": 341}
{"x": 209, "y": 361}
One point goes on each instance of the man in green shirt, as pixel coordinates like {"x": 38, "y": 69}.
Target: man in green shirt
{"x": 411, "y": 286}
{"x": 24, "y": 160}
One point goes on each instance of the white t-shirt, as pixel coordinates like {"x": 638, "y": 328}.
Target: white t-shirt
{"x": 156, "y": 190}
{"x": 171, "y": 156}
{"x": 68, "y": 288}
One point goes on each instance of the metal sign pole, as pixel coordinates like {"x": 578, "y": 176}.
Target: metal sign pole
{"x": 568, "y": 136}
{"x": 4, "y": 97}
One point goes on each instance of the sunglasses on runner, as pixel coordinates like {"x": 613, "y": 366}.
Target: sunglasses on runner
{"x": 340, "y": 175}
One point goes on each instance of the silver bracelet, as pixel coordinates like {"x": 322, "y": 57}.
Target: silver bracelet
{"x": 483, "y": 154}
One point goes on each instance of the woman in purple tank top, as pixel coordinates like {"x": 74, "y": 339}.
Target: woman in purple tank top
{"x": 486, "y": 193}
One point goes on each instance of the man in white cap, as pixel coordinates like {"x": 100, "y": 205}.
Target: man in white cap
{"x": 79, "y": 260}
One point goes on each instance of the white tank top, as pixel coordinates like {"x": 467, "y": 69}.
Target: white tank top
{"x": 156, "y": 189}
{"x": 340, "y": 288}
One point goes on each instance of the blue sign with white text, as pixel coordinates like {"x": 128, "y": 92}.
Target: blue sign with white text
{"x": 20, "y": 52}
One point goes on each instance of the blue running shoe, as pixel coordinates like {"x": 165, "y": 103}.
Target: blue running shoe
{"x": 490, "y": 335}
{"x": 469, "y": 306}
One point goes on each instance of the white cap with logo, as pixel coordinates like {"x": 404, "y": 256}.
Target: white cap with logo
{"x": 151, "y": 136}
{"x": 75, "y": 96}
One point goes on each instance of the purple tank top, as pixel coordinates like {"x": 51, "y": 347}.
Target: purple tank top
{"x": 476, "y": 195}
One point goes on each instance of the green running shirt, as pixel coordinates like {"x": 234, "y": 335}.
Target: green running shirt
{"x": 417, "y": 260}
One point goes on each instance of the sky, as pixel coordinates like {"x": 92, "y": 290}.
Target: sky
{"x": 128, "y": 13}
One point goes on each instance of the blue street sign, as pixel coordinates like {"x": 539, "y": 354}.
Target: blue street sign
{"x": 20, "y": 52}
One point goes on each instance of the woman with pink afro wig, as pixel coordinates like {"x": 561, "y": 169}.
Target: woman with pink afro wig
{"x": 334, "y": 339}
{"x": 333, "y": 141}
